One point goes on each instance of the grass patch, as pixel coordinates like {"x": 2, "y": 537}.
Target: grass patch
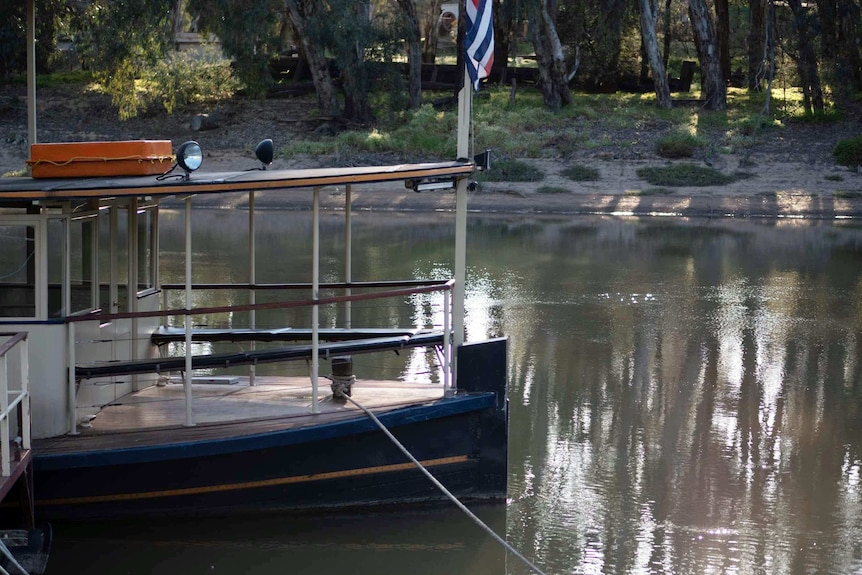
{"x": 580, "y": 173}
{"x": 845, "y": 195}
{"x": 552, "y": 190}
{"x": 656, "y": 191}
{"x": 848, "y": 152}
{"x": 511, "y": 171}
{"x": 686, "y": 175}
{"x": 678, "y": 145}
{"x": 834, "y": 178}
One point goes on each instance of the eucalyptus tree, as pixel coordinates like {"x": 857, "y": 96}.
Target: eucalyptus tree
{"x": 430, "y": 30}
{"x": 712, "y": 81}
{"x": 549, "y": 54}
{"x": 413, "y": 46}
{"x": 839, "y": 24}
{"x": 806, "y": 57}
{"x": 757, "y": 42}
{"x": 649, "y": 15}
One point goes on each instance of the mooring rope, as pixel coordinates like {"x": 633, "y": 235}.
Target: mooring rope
{"x": 441, "y": 487}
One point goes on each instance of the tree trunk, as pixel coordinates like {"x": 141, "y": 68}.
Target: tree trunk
{"x": 318, "y": 66}
{"x": 354, "y": 72}
{"x": 722, "y": 36}
{"x": 503, "y": 23}
{"x": 549, "y": 57}
{"x": 650, "y": 45}
{"x": 756, "y": 43}
{"x": 839, "y": 23}
{"x": 712, "y": 83}
{"x": 414, "y": 53}
{"x": 667, "y": 35}
{"x": 430, "y": 33}
{"x": 806, "y": 64}
{"x": 849, "y": 42}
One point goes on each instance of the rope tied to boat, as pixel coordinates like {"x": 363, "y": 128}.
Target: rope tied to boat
{"x": 442, "y": 487}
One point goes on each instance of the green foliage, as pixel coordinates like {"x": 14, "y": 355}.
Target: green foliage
{"x": 251, "y": 32}
{"x": 116, "y": 40}
{"x": 845, "y": 195}
{"x": 13, "y": 45}
{"x": 848, "y": 152}
{"x": 579, "y": 173}
{"x": 684, "y": 175}
{"x": 656, "y": 191}
{"x": 678, "y": 144}
{"x": 552, "y": 190}
{"x": 186, "y": 77}
{"x": 511, "y": 171}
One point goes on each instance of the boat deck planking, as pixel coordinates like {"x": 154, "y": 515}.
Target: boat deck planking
{"x": 155, "y": 415}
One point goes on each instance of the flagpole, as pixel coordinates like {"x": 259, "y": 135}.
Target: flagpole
{"x": 465, "y": 102}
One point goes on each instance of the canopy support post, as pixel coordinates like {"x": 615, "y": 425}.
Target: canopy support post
{"x": 315, "y": 295}
{"x": 31, "y": 72}
{"x": 187, "y": 379}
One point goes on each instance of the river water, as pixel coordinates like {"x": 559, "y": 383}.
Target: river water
{"x": 685, "y": 397}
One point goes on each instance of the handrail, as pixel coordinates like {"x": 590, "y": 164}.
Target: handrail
{"x": 19, "y": 401}
{"x": 426, "y": 287}
{"x": 304, "y": 285}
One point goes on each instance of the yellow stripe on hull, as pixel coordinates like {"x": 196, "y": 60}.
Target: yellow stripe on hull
{"x": 252, "y": 484}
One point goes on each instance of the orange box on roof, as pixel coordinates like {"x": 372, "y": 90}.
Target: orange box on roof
{"x": 89, "y": 159}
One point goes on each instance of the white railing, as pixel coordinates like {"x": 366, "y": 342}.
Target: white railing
{"x": 10, "y": 399}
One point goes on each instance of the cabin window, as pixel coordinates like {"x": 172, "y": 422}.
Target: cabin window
{"x": 83, "y": 263}
{"x": 147, "y": 248}
{"x": 17, "y": 271}
{"x": 113, "y": 259}
{"x": 72, "y": 285}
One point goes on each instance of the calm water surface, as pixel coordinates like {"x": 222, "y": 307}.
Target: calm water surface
{"x": 685, "y": 397}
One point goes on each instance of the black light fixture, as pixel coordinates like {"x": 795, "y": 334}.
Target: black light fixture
{"x": 483, "y": 160}
{"x": 264, "y": 152}
{"x": 189, "y": 157}
{"x": 429, "y": 184}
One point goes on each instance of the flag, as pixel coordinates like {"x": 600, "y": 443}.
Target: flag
{"x": 480, "y": 40}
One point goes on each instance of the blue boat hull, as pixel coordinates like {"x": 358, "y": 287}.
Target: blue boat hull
{"x": 461, "y": 440}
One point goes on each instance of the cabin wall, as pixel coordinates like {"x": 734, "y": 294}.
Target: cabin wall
{"x": 48, "y": 385}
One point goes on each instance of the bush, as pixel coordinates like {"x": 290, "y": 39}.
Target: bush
{"x": 511, "y": 171}
{"x": 678, "y": 145}
{"x": 579, "y": 173}
{"x": 685, "y": 175}
{"x": 186, "y": 78}
{"x": 849, "y": 152}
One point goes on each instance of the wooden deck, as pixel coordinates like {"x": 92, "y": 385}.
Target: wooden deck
{"x": 156, "y": 415}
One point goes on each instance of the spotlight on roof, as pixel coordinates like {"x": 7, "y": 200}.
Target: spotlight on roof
{"x": 190, "y": 157}
{"x": 264, "y": 152}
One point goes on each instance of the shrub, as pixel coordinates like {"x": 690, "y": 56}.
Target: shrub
{"x": 678, "y": 145}
{"x": 685, "y": 175}
{"x": 849, "y": 152}
{"x": 579, "y": 173}
{"x": 185, "y": 78}
{"x": 511, "y": 171}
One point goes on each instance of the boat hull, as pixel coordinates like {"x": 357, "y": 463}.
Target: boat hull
{"x": 351, "y": 463}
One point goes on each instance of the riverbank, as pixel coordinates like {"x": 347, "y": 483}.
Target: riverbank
{"x": 788, "y": 172}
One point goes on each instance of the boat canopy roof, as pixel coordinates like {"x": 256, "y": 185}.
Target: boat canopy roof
{"x": 15, "y": 190}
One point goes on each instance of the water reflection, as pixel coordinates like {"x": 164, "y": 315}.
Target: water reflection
{"x": 709, "y": 427}
{"x": 686, "y": 395}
